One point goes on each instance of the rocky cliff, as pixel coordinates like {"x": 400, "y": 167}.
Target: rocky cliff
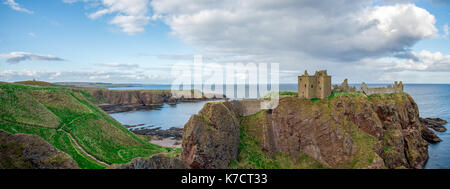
{"x": 211, "y": 138}
{"x": 127, "y": 100}
{"x": 343, "y": 131}
{"x": 22, "y": 151}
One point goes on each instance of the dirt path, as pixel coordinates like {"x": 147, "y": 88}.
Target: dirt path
{"x": 84, "y": 151}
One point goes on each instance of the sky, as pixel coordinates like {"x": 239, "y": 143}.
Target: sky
{"x": 139, "y": 41}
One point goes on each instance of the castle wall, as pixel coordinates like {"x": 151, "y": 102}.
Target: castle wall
{"x": 325, "y": 86}
{"x": 303, "y": 83}
{"x": 312, "y": 87}
{"x": 397, "y": 88}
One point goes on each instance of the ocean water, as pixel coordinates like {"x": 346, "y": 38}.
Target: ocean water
{"x": 165, "y": 116}
{"x": 433, "y": 101}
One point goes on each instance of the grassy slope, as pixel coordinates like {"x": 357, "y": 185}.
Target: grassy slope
{"x": 53, "y": 113}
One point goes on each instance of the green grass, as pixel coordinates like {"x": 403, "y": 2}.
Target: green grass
{"x": 288, "y": 93}
{"x": 315, "y": 99}
{"x": 268, "y": 96}
{"x": 349, "y": 94}
{"x": 50, "y": 112}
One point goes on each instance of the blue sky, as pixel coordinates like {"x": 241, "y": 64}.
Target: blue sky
{"x": 138, "y": 41}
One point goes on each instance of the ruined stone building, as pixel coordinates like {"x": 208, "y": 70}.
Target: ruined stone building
{"x": 397, "y": 88}
{"x": 344, "y": 87}
{"x": 315, "y": 86}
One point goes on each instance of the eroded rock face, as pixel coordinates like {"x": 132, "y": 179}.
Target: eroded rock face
{"x": 154, "y": 162}
{"x": 436, "y": 124}
{"x": 403, "y": 131}
{"x": 22, "y": 151}
{"x": 130, "y": 97}
{"x": 381, "y": 131}
{"x": 340, "y": 134}
{"x": 211, "y": 138}
{"x": 325, "y": 131}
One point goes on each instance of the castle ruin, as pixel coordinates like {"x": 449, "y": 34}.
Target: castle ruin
{"x": 315, "y": 86}
{"x": 397, "y": 88}
{"x": 344, "y": 87}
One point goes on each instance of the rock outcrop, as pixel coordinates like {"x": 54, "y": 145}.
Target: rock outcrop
{"x": 154, "y": 162}
{"x": 379, "y": 131}
{"x": 436, "y": 124}
{"x": 23, "y": 151}
{"x": 211, "y": 138}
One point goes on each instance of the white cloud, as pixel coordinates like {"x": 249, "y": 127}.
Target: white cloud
{"x": 351, "y": 30}
{"x": 353, "y": 38}
{"x": 130, "y": 15}
{"x": 93, "y": 76}
{"x": 120, "y": 65}
{"x": 425, "y": 61}
{"x": 31, "y": 34}
{"x": 16, "y": 57}
{"x": 16, "y": 6}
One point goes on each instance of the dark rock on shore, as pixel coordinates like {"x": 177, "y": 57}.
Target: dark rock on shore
{"x": 131, "y": 126}
{"x": 430, "y": 136}
{"x": 23, "y": 151}
{"x": 108, "y": 108}
{"x": 154, "y": 162}
{"x": 435, "y": 123}
{"x": 176, "y": 133}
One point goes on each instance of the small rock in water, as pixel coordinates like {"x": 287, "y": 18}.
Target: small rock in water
{"x": 174, "y": 132}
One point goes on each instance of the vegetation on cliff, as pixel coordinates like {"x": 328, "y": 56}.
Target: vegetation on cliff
{"x": 70, "y": 121}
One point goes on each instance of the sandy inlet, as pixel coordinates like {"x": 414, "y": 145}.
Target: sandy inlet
{"x": 167, "y": 142}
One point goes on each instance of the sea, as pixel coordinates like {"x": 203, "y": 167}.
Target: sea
{"x": 433, "y": 100}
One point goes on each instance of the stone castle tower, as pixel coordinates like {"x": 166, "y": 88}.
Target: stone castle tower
{"x": 316, "y": 86}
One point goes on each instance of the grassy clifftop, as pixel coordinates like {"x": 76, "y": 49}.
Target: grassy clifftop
{"x": 70, "y": 121}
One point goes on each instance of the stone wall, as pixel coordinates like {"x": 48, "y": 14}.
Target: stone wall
{"x": 344, "y": 87}
{"x": 397, "y": 88}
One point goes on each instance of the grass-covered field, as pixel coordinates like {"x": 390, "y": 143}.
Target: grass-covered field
{"x": 61, "y": 115}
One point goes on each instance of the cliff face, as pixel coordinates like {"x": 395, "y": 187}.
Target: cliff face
{"x": 211, "y": 138}
{"x": 130, "y": 97}
{"x": 113, "y": 101}
{"x": 355, "y": 131}
{"x": 22, "y": 151}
